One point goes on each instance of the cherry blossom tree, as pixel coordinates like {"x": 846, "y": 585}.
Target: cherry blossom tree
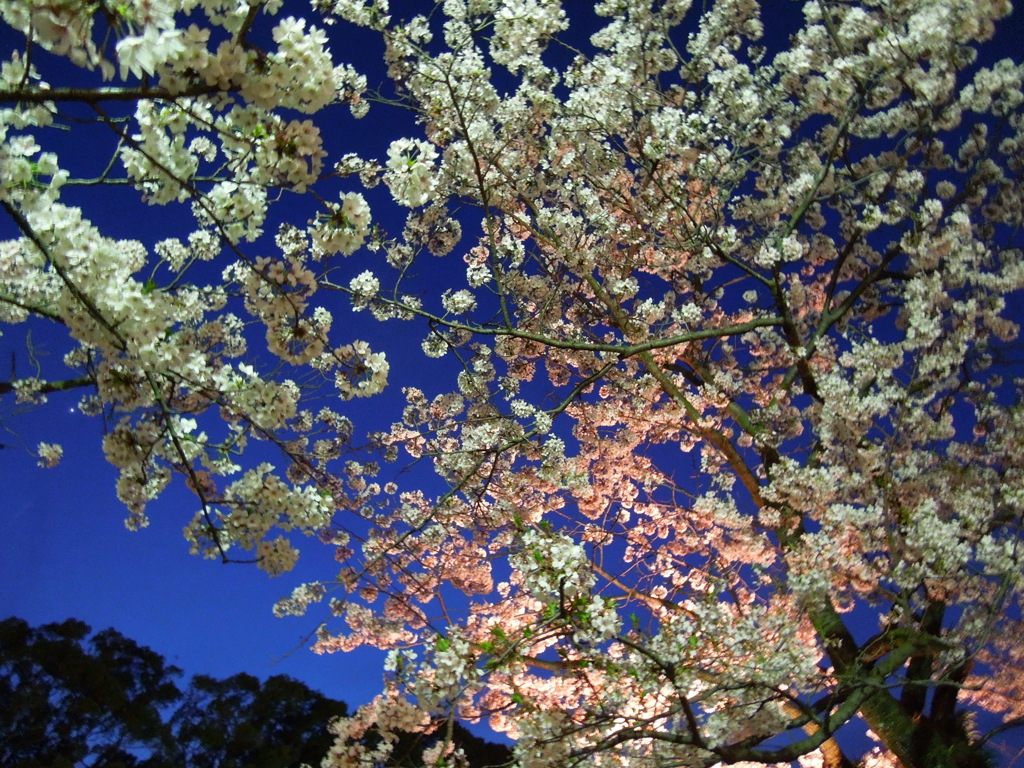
{"x": 215, "y": 122}
{"x": 730, "y": 441}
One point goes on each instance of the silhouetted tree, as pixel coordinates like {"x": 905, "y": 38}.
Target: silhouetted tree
{"x": 71, "y": 700}
{"x": 67, "y": 699}
{"x": 242, "y": 723}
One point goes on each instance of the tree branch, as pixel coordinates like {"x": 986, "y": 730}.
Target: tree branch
{"x": 98, "y": 95}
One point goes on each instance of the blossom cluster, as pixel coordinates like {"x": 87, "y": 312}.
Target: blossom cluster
{"x": 409, "y": 171}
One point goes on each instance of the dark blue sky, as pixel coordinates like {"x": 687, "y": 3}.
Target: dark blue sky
{"x": 67, "y": 553}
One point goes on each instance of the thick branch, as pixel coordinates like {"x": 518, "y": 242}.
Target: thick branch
{"x": 51, "y": 386}
{"x": 86, "y": 302}
{"x": 914, "y": 742}
{"x": 98, "y": 95}
{"x": 622, "y": 350}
